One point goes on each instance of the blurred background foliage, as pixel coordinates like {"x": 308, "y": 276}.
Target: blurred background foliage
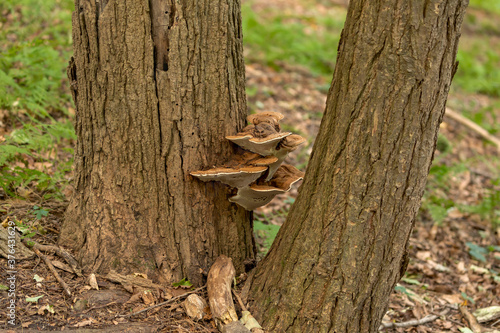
{"x": 36, "y": 110}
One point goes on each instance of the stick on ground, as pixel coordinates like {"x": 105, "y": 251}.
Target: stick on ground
{"x": 164, "y": 303}
{"x": 53, "y": 271}
{"x": 473, "y": 126}
{"x": 61, "y": 253}
{"x": 415, "y": 322}
{"x": 473, "y": 324}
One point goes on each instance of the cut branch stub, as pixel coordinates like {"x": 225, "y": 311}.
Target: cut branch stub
{"x": 268, "y": 148}
{"x": 219, "y": 281}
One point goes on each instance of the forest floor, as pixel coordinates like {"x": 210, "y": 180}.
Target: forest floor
{"x": 455, "y": 245}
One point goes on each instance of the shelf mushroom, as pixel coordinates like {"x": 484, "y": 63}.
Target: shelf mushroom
{"x": 263, "y": 146}
{"x": 239, "y": 172}
{"x": 258, "y": 174}
{"x": 255, "y": 195}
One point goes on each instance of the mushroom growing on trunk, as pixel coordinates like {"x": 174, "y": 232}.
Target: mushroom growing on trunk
{"x": 258, "y": 174}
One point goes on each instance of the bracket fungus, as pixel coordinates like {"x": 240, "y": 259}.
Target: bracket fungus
{"x": 258, "y": 174}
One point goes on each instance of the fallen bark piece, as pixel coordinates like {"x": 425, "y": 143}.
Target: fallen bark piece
{"x": 61, "y": 253}
{"x": 219, "y": 281}
{"x": 195, "y": 307}
{"x": 486, "y": 314}
{"x": 93, "y": 282}
{"x": 235, "y": 327}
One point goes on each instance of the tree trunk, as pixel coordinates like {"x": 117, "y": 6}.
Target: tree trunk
{"x": 157, "y": 87}
{"x": 344, "y": 245}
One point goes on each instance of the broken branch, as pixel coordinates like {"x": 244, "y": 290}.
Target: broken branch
{"x": 415, "y": 322}
{"x": 219, "y": 281}
{"x": 473, "y": 126}
{"x": 471, "y": 320}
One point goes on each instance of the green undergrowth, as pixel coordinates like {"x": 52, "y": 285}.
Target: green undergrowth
{"x": 307, "y": 40}
{"x": 438, "y": 202}
{"x": 35, "y": 148}
{"x": 492, "y": 6}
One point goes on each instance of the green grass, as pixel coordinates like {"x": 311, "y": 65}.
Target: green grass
{"x": 309, "y": 41}
{"x": 479, "y": 68}
{"x": 266, "y": 232}
{"x": 487, "y": 5}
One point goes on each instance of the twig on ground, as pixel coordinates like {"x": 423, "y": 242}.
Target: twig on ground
{"x": 53, "y": 271}
{"x": 473, "y": 126}
{"x": 450, "y": 319}
{"x": 243, "y": 308}
{"x": 164, "y": 303}
{"x": 99, "y": 307}
{"x": 471, "y": 320}
{"x": 61, "y": 253}
{"x": 415, "y": 322}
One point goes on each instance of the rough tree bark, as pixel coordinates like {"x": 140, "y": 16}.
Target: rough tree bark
{"x": 344, "y": 245}
{"x": 157, "y": 87}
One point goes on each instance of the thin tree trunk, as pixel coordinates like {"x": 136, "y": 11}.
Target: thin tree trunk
{"x": 157, "y": 88}
{"x": 344, "y": 245}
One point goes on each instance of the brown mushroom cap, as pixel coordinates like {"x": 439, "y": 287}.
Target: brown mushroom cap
{"x": 291, "y": 142}
{"x": 288, "y": 144}
{"x": 262, "y": 146}
{"x": 269, "y": 117}
{"x": 254, "y": 196}
{"x": 264, "y": 116}
{"x": 285, "y": 177}
{"x": 234, "y": 177}
{"x": 249, "y": 159}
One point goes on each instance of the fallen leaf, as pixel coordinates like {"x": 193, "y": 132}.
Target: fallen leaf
{"x": 147, "y": 297}
{"x": 38, "y": 278}
{"x": 33, "y": 299}
{"x": 93, "y": 281}
{"x": 48, "y": 307}
{"x": 62, "y": 266}
{"x": 452, "y": 299}
{"x": 142, "y": 275}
